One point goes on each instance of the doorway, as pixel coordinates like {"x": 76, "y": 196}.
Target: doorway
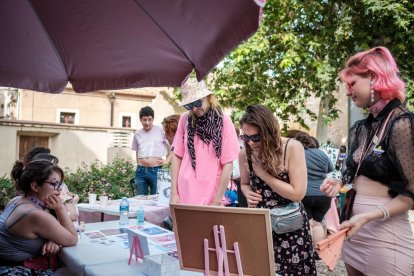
{"x": 28, "y": 142}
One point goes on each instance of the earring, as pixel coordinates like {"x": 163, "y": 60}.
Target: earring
{"x": 372, "y": 93}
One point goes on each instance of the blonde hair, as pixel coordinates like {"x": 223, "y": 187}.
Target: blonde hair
{"x": 213, "y": 104}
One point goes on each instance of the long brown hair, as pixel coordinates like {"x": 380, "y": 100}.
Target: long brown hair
{"x": 271, "y": 144}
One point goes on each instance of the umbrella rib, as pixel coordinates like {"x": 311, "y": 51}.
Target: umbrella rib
{"x": 51, "y": 42}
{"x": 166, "y": 34}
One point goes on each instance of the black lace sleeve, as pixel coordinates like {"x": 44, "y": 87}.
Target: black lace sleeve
{"x": 401, "y": 151}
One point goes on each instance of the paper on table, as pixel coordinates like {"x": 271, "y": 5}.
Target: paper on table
{"x": 163, "y": 238}
{"x": 94, "y": 234}
{"x": 153, "y": 231}
{"x": 167, "y": 247}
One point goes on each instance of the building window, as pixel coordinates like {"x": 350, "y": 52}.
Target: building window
{"x": 67, "y": 118}
{"x": 126, "y": 121}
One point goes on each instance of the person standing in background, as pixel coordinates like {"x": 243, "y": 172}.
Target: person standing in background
{"x": 316, "y": 203}
{"x": 151, "y": 149}
{"x": 170, "y": 124}
{"x": 204, "y": 147}
{"x": 341, "y": 158}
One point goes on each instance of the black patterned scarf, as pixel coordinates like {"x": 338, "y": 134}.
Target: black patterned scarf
{"x": 208, "y": 127}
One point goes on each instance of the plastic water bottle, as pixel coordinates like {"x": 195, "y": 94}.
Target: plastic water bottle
{"x": 140, "y": 215}
{"x": 123, "y": 211}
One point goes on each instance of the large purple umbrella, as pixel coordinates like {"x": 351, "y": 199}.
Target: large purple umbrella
{"x": 117, "y": 44}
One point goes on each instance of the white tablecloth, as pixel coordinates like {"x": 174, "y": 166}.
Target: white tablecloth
{"x": 154, "y": 212}
{"x": 88, "y": 258}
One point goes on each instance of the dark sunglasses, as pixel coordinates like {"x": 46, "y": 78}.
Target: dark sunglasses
{"x": 254, "y": 138}
{"x": 55, "y": 185}
{"x": 195, "y": 104}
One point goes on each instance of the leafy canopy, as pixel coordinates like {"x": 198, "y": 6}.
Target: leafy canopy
{"x": 300, "y": 47}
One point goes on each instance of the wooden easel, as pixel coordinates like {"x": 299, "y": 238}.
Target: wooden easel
{"x": 221, "y": 253}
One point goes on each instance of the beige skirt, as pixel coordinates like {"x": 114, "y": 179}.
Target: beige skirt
{"x": 380, "y": 247}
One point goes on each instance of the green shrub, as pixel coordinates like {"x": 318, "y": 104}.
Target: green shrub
{"x": 111, "y": 179}
{"x": 7, "y": 191}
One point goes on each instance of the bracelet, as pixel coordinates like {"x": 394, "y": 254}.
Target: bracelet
{"x": 386, "y": 213}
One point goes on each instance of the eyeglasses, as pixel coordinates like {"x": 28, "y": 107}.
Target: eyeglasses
{"x": 195, "y": 104}
{"x": 55, "y": 185}
{"x": 254, "y": 138}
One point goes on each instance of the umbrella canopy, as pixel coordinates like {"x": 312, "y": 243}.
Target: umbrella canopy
{"x": 107, "y": 44}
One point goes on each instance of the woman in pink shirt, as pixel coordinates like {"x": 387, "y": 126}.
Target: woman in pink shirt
{"x": 205, "y": 146}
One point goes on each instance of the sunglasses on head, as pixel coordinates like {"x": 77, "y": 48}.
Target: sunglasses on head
{"x": 254, "y": 138}
{"x": 195, "y": 104}
{"x": 55, "y": 185}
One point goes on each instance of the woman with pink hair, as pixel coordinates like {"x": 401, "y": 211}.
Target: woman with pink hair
{"x": 381, "y": 167}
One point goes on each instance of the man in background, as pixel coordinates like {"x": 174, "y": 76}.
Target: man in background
{"x": 151, "y": 149}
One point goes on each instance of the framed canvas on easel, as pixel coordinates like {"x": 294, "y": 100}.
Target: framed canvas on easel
{"x": 203, "y": 233}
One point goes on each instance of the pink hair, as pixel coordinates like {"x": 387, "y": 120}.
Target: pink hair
{"x": 379, "y": 64}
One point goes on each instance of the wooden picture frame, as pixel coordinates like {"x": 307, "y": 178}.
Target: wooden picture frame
{"x": 250, "y": 227}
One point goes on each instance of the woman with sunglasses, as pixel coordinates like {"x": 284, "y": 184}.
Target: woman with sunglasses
{"x": 28, "y": 231}
{"x": 205, "y": 146}
{"x": 273, "y": 174}
{"x": 380, "y": 165}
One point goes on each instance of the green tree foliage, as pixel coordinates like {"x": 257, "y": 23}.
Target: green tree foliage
{"x": 7, "y": 191}
{"x": 302, "y": 44}
{"x": 111, "y": 179}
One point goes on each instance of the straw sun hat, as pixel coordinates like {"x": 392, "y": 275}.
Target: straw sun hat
{"x": 192, "y": 90}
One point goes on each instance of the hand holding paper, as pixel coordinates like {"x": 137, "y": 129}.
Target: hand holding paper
{"x": 329, "y": 249}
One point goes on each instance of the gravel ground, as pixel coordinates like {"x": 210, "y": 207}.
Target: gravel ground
{"x": 339, "y": 270}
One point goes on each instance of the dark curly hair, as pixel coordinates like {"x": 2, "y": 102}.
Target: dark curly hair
{"x": 146, "y": 111}
{"x": 36, "y": 171}
{"x": 33, "y": 152}
{"x": 307, "y": 141}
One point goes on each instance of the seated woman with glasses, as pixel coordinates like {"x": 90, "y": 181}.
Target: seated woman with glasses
{"x": 70, "y": 200}
{"x": 29, "y": 233}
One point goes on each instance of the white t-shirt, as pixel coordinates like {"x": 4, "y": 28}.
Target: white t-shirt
{"x": 150, "y": 143}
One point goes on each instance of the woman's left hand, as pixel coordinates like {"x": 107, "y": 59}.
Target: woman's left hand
{"x": 355, "y": 223}
{"x": 50, "y": 248}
